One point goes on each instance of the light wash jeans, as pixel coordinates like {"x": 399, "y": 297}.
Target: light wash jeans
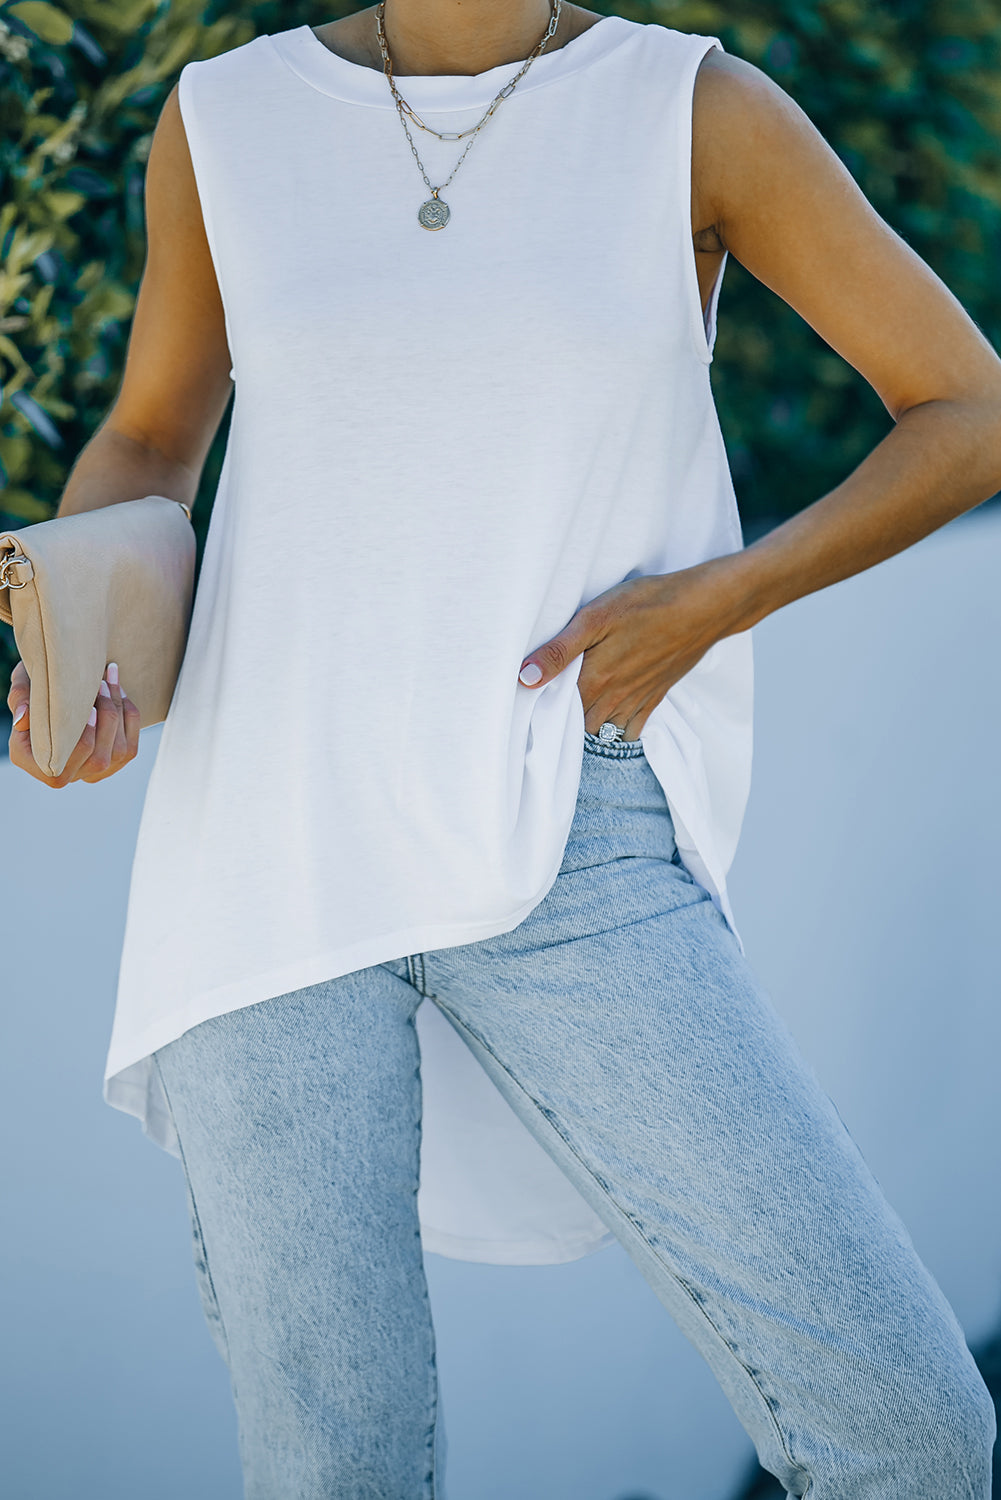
{"x": 626, "y": 1029}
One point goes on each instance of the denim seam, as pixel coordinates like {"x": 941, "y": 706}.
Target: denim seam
{"x": 431, "y": 1442}
{"x": 602, "y": 864}
{"x": 652, "y": 1248}
{"x": 197, "y": 1219}
{"x": 621, "y": 926}
{"x": 421, "y": 980}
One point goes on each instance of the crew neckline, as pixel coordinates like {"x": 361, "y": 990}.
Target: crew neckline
{"x": 302, "y": 51}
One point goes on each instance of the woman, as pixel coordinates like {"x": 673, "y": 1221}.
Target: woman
{"x": 476, "y": 546}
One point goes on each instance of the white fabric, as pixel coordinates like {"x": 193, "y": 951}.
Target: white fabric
{"x": 442, "y": 445}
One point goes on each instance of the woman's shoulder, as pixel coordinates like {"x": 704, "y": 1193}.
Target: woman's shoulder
{"x": 234, "y": 62}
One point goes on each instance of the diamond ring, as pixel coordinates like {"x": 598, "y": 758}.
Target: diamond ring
{"x": 610, "y": 731}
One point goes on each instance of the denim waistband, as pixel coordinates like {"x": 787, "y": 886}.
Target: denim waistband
{"x": 616, "y": 749}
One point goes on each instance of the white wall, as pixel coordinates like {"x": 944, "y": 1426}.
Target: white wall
{"x": 866, "y": 892}
{"x": 867, "y": 883}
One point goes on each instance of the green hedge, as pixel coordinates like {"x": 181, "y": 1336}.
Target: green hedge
{"x": 909, "y": 95}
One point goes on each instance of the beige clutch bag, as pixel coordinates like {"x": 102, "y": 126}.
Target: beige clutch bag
{"x": 113, "y": 584}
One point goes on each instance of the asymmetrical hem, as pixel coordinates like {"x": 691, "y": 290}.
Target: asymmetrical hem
{"x": 442, "y": 445}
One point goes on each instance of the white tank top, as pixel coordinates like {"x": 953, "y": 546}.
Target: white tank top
{"x": 442, "y": 444}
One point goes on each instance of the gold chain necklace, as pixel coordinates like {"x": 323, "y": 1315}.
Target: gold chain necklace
{"x": 435, "y": 212}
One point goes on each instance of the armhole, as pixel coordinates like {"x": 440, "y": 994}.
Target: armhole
{"x": 710, "y": 315}
{"x": 189, "y": 119}
{"x": 703, "y": 326}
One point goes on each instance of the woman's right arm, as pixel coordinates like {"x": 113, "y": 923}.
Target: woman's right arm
{"x": 175, "y": 387}
{"x": 158, "y": 431}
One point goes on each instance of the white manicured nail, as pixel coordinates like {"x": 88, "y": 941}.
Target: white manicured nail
{"x": 92, "y": 717}
{"x": 113, "y": 673}
{"x": 104, "y": 689}
{"x": 530, "y": 674}
{"x": 22, "y": 709}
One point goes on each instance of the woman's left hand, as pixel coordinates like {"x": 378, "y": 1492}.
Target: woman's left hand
{"x": 638, "y": 638}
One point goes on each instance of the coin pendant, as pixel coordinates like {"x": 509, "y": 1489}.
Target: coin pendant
{"x": 434, "y": 214}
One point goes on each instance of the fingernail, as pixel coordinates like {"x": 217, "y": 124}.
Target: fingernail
{"x": 113, "y": 673}
{"x": 104, "y": 689}
{"x": 530, "y": 674}
{"x": 92, "y": 717}
{"x": 123, "y": 692}
{"x": 22, "y": 709}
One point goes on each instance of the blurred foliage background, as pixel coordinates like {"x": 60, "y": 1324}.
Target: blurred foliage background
{"x": 908, "y": 93}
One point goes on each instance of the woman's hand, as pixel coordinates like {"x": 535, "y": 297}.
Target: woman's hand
{"x": 109, "y": 742}
{"x": 638, "y": 639}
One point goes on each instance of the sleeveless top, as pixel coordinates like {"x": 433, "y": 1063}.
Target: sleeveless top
{"x": 442, "y": 445}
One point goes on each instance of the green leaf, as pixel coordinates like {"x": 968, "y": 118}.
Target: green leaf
{"x": 46, "y": 21}
{"x": 24, "y": 505}
{"x": 62, "y": 205}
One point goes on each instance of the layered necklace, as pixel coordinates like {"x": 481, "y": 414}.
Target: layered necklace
{"x": 435, "y": 213}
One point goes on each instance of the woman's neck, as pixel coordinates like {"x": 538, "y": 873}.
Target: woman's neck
{"x": 452, "y": 37}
